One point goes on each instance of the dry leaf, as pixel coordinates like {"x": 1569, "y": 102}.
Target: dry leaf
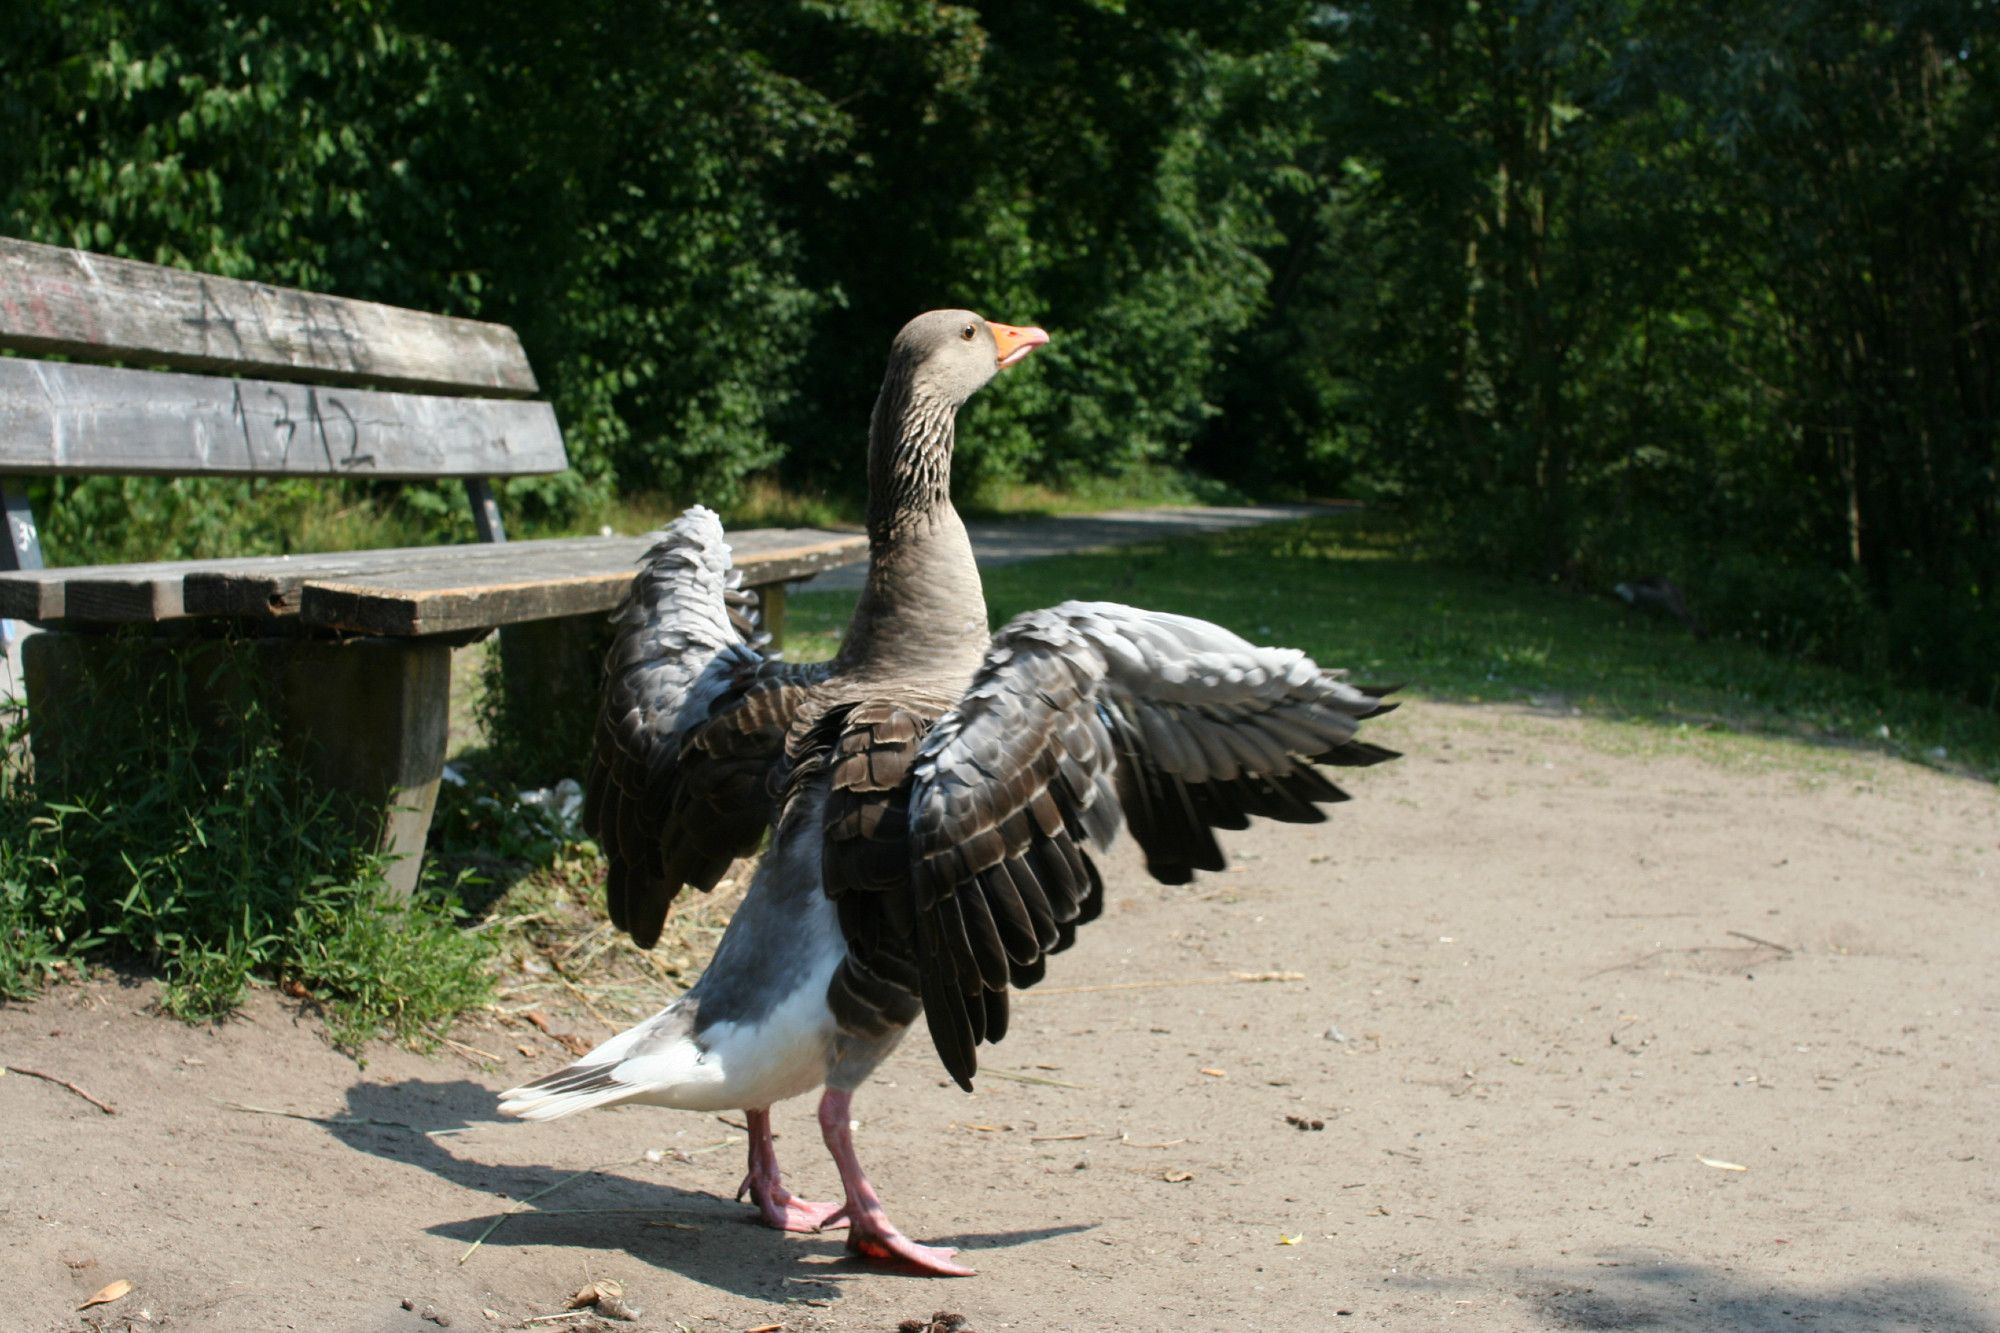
{"x": 107, "y": 1294}
{"x": 1176, "y": 1177}
{"x": 530, "y": 1051}
{"x": 1720, "y": 1165}
{"x": 594, "y": 1294}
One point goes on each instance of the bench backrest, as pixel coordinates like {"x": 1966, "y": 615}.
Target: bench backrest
{"x": 296, "y": 382}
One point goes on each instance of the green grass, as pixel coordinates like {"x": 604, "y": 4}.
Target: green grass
{"x": 204, "y": 852}
{"x": 1343, "y": 589}
{"x": 1142, "y": 487}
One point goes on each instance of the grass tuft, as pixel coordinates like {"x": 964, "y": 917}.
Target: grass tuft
{"x": 173, "y": 828}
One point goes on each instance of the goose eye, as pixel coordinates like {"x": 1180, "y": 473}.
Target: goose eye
{"x": 966, "y": 333}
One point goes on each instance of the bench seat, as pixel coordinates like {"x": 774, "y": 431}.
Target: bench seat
{"x": 404, "y": 592}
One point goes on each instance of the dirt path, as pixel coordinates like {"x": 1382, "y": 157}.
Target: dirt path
{"x": 1010, "y": 541}
{"x": 1547, "y": 967}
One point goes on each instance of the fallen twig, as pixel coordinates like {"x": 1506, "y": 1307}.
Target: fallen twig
{"x": 1768, "y": 944}
{"x": 1651, "y": 954}
{"x": 731, "y": 1141}
{"x": 521, "y": 1204}
{"x": 103, "y": 1106}
{"x": 1055, "y": 1138}
{"x": 581, "y": 998}
{"x": 464, "y": 1049}
{"x": 505, "y": 923}
{"x": 1029, "y": 1078}
{"x": 592, "y": 1212}
{"x": 1233, "y": 979}
{"x": 339, "y": 1119}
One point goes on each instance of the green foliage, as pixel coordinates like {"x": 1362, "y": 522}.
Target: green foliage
{"x": 168, "y": 824}
{"x": 539, "y": 726}
{"x": 1594, "y": 289}
{"x": 1585, "y": 288}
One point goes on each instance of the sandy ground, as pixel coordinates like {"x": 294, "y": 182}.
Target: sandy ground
{"x": 1595, "y": 1026}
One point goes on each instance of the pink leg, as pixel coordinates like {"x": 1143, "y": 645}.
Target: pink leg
{"x": 779, "y": 1206}
{"x": 870, "y": 1233}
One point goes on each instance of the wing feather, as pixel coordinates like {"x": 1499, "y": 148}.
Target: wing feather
{"x": 690, "y": 730}
{"x": 1085, "y": 718}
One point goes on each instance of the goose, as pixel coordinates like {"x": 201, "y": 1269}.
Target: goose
{"x": 932, "y": 796}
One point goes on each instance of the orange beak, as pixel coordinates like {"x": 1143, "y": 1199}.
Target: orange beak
{"x": 1012, "y": 344}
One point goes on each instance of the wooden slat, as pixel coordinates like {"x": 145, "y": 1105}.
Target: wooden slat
{"x": 96, "y": 308}
{"x": 246, "y": 587}
{"x": 589, "y": 573}
{"x": 171, "y": 589}
{"x": 66, "y": 418}
{"x": 44, "y": 595}
{"x": 451, "y": 598}
{"x": 272, "y": 586}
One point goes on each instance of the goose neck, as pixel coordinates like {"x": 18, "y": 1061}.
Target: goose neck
{"x": 910, "y": 441}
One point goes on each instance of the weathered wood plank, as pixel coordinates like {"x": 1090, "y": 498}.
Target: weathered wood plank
{"x": 592, "y": 571}
{"x": 272, "y": 586}
{"x": 250, "y": 587}
{"x": 97, "y": 308}
{"x": 452, "y": 599}
{"x": 246, "y": 587}
{"x": 277, "y": 587}
{"x": 158, "y": 589}
{"x": 67, "y": 418}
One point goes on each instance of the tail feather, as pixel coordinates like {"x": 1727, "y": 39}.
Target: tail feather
{"x": 576, "y": 1087}
{"x": 653, "y": 1062}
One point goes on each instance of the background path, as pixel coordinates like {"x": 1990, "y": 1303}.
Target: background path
{"x": 1009, "y": 541}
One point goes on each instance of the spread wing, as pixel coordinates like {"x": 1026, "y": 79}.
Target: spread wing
{"x": 690, "y": 730}
{"x": 1082, "y": 718}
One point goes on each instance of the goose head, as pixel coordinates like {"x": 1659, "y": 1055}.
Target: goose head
{"x": 939, "y": 360}
{"x": 949, "y": 355}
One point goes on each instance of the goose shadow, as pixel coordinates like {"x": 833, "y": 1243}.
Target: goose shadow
{"x": 1664, "y": 1293}
{"x": 704, "y": 1237}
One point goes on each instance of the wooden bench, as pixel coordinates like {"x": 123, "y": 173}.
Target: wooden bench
{"x": 357, "y": 643}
